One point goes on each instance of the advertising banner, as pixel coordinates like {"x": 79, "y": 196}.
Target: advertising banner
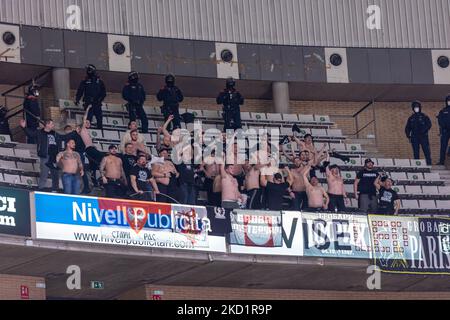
{"x": 15, "y": 212}
{"x": 292, "y": 244}
{"x": 123, "y": 222}
{"x": 256, "y": 228}
{"x": 336, "y": 235}
{"x": 415, "y": 245}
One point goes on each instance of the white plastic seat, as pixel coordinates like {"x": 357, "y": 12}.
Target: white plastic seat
{"x": 319, "y": 133}
{"x": 5, "y": 138}
{"x": 443, "y": 204}
{"x": 399, "y": 176}
{"x": 357, "y": 162}
{"x": 116, "y": 122}
{"x": 445, "y": 190}
{"x": 354, "y": 147}
{"x": 11, "y": 178}
{"x": 111, "y": 135}
{"x": 7, "y": 152}
{"x": 96, "y": 134}
{"x": 152, "y": 110}
{"x": 402, "y": 163}
{"x": 432, "y": 177}
{"x": 115, "y": 108}
{"x": 339, "y": 147}
{"x": 335, "y": 133}
{"x": 306, "y": 118}
{"x": 25, "y": 166}
{"x": 21, "y": 153}
{"x": 385, "y": 162}
{"x": 211, "y": 114}
{"x": 410, "y": 204}
{"x": 67, "y": 104}
{"x": 431, "y": 190}
{"x": 290, "y": 117}
{"x": 427, "y": 204}
{"x": 413, "y": 190}
{"x": 418, "y": 163}
{"x": 245, "y": 116}
{"x": 322, "y": 119}
{"x": 28, "y": 181}
{"x": 349, "y": 175}
{"x": 274, "y": 117}
{"x": 353, "y": 203}
{"x": 415, "y": 176}
{"x": 196, "y": 113}
{"x": 259, "y": 116}
{"x": 7, "y": 164}
{"x": 399, "y": 189}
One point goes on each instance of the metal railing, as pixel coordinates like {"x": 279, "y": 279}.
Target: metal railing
{"x": 357, "y": 120}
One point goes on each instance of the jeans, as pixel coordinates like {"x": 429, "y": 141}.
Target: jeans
{"x": 300, "y": 202}
{"x": 188, "y": 194}
{"x": 44, "y": 175}
{"x": 71, "y": 183}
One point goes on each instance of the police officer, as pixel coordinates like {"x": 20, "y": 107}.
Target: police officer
{"x": 417, "y": 132}
{"x": 444, "y": 124}
{"x": 94, "y": 92}
{"x": 172, "y": 97}
{"x": 32, "y": 111}
{"x": 231, "y": 100}
{"x": 134, "y": 94}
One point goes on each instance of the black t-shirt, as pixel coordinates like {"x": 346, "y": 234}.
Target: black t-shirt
{"x": 275, "y": 193}
{"x": 128, "y": 162}
{"x": 142, "y": 174}
{"x": 366, "y": 183}
{"x": 386, "y": 199}
{"x": 186, "y": 172}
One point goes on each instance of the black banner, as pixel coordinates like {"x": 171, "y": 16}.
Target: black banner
{"x": 15, "y": 212}
{"x": 220, "y": 221}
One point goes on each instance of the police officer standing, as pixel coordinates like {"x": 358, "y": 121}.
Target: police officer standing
{"x": 94, "y": 92}
{"x": 32, "y": 111}
{"x": 135, "y": 95}
{"x": 172, "y": 97}
{"x": 231, "y": 100}
{"x": 417, "y": 132}
{"x": 444, "y": 124}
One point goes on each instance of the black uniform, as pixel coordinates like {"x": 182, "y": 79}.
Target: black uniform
{"x": 417, "y": 132}
{"x": 93, "y": 92}
{"x": 171, "y": 96}
{"x": 231, "y": 100}
{"x": 32, "y": 111}
{"x": 134, "y": 94}
{"x": 444, "y": 124}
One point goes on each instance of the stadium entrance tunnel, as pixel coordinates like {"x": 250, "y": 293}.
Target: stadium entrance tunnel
{"x": 122, "y": 270}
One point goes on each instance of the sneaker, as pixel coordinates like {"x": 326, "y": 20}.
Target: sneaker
{"x": 440, "y": 164}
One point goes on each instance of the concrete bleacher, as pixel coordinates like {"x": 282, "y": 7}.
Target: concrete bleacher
{"x": 421, "y": 190}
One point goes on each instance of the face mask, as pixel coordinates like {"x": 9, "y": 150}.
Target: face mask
{"x": 416, "y": 110}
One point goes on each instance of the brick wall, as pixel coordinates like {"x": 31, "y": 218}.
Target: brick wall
{"x": 208, "y": 293}
{"x": 10, "y": 287}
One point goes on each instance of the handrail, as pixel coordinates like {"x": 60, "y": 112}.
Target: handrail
{"x": 363, "y": 108}
{"x": 357, "y": 132}
{"x": 27, "y": 82}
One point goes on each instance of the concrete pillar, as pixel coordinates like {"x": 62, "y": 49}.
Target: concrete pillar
{"x": 280, "y": 94}
{"x": 61, "y": 83}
